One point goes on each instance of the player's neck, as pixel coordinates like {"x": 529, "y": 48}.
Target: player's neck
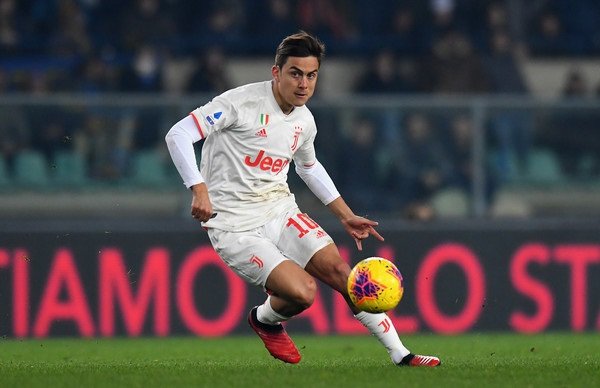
{"x": 285, "y": 107}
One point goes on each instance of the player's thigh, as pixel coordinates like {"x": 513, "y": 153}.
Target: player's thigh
{"x": 292, "y": 283}
{"x": 248, "y": 253}
{"x": 298, "y": 236}
{"x": 328, "y": 266}
{"x": 304, "y": 241}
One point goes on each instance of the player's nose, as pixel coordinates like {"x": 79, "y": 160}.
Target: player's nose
{"x": 303, "y": 82}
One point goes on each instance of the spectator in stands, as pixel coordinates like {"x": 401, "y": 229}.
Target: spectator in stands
{"x": 223, "y": 25}
{"x": 329, "y": 19}
{"x": 405, "y": 31}
{"x": 144, "y": 72}
{"x": 10, "y": 35}
{"x": 387, "y": 75}
{"x": 579, "y": 20}
{"x": 145, "y": 23}
{"x": 4, "y": 82}
{"x": 427, "y": 160}
{"x": 575, "y": 85}
{"x": 453, "y": 67}
{"x": 443, "y": 16}
{"x": 52, "y": 130}
{"x": 511, "y": 129}
{"x": 147, "y": 130}
{"x": 137, "y": 130}
{"x": 547, "y": 37}
{"x": 409, "y": 28}
{"x": 496, "y": 17}
{"x": 358, "y": 157}
{"x": 460, "y": 151}
{"x": 97, "y": 142}
{"x": 421, "y": 167}
{"x": 502, "y": 65}
{"x": 19, "y": 80}
{"x": 15, "y": 133}
{"x": 383, "y": 76}
{"x": 70, "y": 37}
{"x": 96, "y": 75}
{"x": 281, "y": 18}
{"x": 399, "y": 26}
{"x": 210, "y": 73}
{"x": 50, "y": 80}
{"x": 574, "y": 136}
{"x": 280, "y": 21}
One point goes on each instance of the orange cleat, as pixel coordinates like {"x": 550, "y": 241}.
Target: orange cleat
{"x": 276, "y": 339}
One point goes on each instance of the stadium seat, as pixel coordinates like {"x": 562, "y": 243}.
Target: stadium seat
{"x": 149, "y": 170}
{"x": 543, "y": 167}
{"x": 31, "y": 170}
{"x": 450, "y": 202}
{"x": 69, "y": 170}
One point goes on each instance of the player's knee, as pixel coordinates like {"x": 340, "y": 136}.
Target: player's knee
{"x": 305, "y": 294}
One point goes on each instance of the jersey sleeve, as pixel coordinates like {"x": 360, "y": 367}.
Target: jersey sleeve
{"x": 318, "y": 181}
{"x": 218, "y": 114}
{"x": 180, "y": 143}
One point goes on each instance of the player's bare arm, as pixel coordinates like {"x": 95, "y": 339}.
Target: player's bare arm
{"x": 356, "y": 226}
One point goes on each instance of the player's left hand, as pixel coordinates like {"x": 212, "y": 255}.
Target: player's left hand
{"x": 360, "y": 228}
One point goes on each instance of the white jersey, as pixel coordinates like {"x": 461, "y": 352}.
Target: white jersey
{"x": 249, "y": 143}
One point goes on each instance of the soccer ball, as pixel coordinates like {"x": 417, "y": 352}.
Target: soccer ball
{"x": 375, "y": 285}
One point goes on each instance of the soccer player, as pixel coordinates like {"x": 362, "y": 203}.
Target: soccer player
{"x": 241, "y": 196}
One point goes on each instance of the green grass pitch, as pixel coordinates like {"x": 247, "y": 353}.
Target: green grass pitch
{"x": 474, "y": 360}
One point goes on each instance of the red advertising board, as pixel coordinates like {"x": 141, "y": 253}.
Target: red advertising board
{"x": 167, "y": 280}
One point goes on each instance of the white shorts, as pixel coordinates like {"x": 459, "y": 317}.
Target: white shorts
{"x": 254, "y": 253}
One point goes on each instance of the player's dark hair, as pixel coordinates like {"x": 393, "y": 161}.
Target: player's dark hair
{"x": 301, "y": 45}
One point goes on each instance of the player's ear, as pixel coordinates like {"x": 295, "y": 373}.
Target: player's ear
{"x": 275, "y": 72}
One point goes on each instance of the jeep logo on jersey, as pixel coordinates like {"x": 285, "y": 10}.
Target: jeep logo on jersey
{"x": 266, "y": 163}
{"x": 215, "y": 117}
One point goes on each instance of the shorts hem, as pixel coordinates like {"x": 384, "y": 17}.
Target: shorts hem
{"x": 327, "y": 242}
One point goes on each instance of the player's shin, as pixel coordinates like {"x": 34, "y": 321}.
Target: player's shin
{"x": 381, "y": 326}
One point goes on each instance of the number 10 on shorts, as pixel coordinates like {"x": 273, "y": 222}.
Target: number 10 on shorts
{"x": 303, "y": 223}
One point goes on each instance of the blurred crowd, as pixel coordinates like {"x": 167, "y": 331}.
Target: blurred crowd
{"x": 429, "y": 46}
{"x": 114, "y": 45}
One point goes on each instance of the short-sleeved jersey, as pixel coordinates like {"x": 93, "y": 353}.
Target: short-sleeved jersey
{"x": 248, "y": 146}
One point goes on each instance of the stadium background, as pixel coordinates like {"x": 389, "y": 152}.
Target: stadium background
{"x": 469, "y": 129}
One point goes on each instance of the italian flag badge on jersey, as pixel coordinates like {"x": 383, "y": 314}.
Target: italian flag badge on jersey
{"x": 264, "y": 119}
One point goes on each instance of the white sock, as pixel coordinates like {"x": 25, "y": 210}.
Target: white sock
{"x": 267, "y": 315}
{"x": 381, "y": 326}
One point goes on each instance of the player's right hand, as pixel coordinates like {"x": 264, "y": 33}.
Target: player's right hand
{"x": 201, "y": 207}
{"x": 360, "y": 228}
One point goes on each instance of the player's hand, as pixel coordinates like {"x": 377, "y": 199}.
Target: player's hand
{"x": 201, "y": 207}
{"x": 360, "y": 228}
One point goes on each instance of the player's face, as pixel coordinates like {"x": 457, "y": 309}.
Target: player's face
{"x": 295, "y": 82}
